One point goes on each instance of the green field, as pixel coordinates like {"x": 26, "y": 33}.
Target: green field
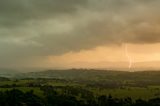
{"x": 133, "y": 92}
{"x": 137, "y": 85}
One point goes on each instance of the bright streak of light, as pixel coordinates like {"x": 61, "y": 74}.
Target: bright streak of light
{"x": 128, "y": 57}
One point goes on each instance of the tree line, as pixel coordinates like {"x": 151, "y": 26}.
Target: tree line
{"x": 69, "y": 96}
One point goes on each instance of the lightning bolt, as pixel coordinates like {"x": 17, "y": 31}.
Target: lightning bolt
{"x": 128, "y": 57}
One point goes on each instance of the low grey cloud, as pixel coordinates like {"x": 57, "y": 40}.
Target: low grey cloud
{"x": 18, "y": 12}
{"x": 53, "y": 27}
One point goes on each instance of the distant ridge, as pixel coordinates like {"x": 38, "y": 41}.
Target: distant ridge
{"x": 91, "y": 74}
{"x": 4, "y": 72}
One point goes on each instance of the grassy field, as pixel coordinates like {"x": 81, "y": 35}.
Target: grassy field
{"x": 137, "y": 85}
{"x": 133, "y": 92}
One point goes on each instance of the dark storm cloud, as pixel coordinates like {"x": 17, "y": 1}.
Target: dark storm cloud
{"x": 15, "y": 12}
{"x": 52, "y": 27}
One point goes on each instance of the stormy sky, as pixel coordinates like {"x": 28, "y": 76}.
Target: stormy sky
{"x": 46, "y": 33}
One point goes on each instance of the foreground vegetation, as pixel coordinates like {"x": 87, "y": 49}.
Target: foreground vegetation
{"x": 69, "y": 97}
{"x": 86, "y": 89}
